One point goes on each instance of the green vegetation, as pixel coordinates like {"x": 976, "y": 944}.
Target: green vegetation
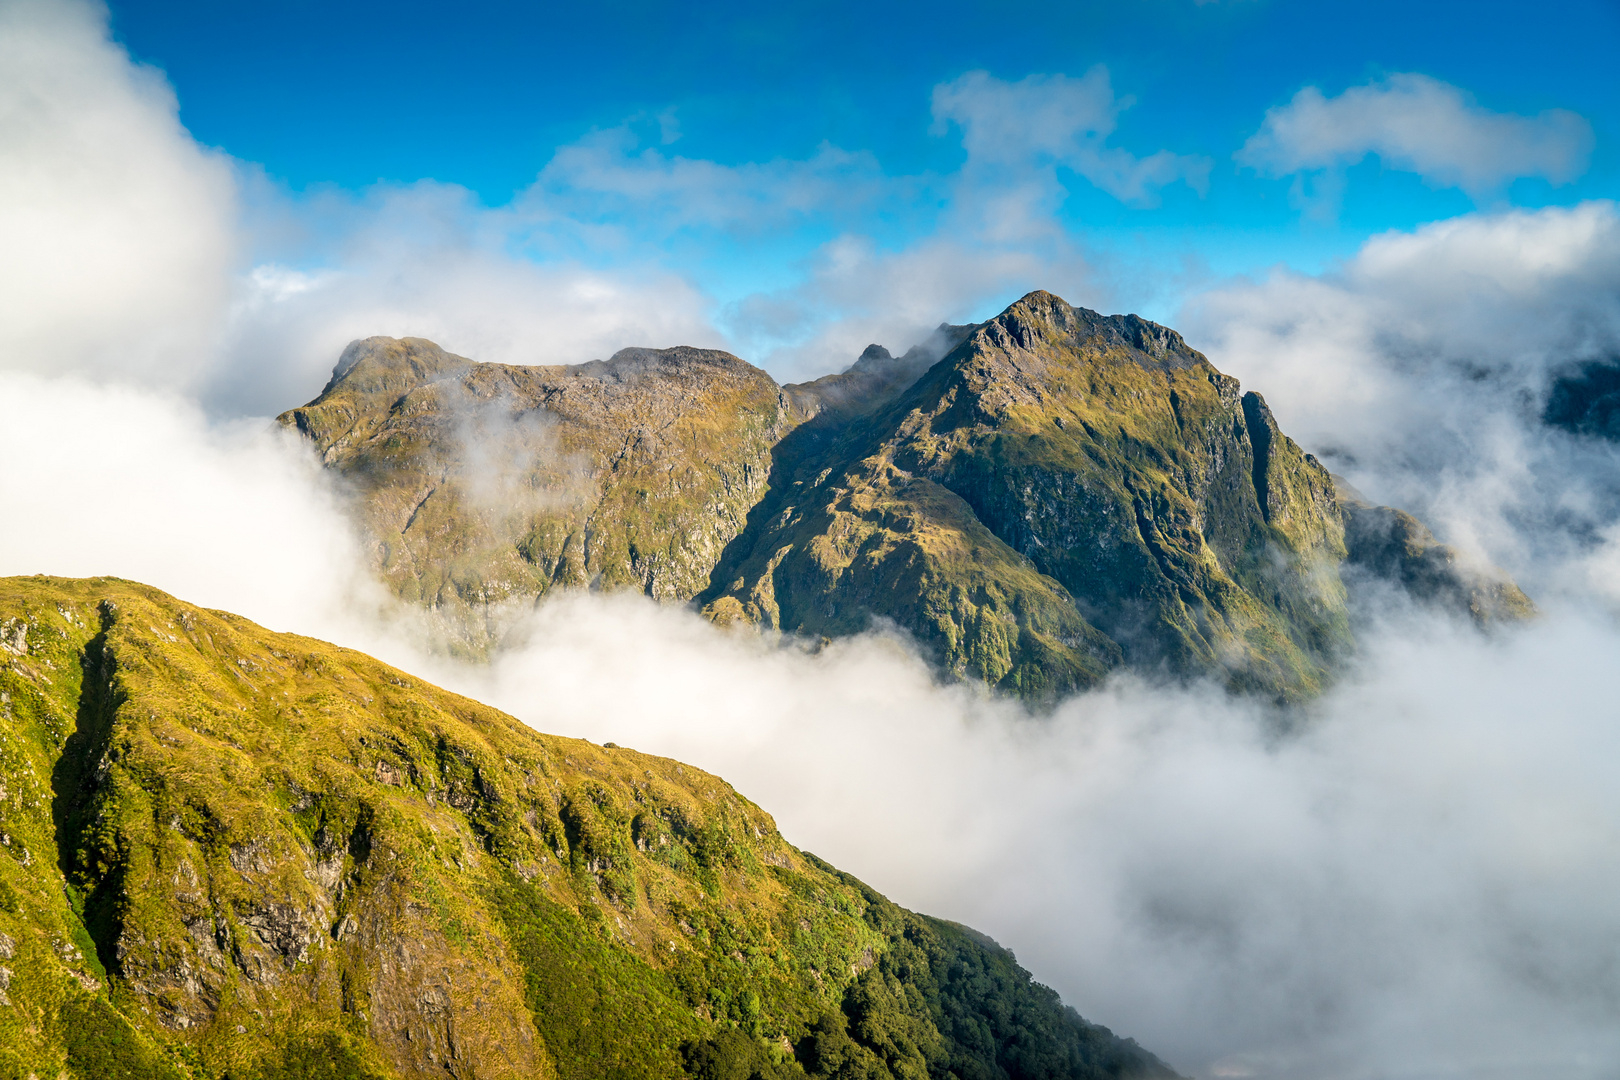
{"x": 246, "y": 855}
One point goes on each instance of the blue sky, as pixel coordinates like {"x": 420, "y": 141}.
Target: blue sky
{"x": 791, "y": 181}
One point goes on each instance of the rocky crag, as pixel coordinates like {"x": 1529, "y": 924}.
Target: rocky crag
{"x": 230, "y": 853}
{"x": 1037, "y": 500}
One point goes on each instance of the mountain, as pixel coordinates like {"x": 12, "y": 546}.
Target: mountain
{"x": 231, "y": 853}
{"x": 1038, "y": 500}
{"x": 484, "y": 483}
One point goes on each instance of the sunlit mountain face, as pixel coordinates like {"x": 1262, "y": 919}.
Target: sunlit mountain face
{"x": 834, "y": 542}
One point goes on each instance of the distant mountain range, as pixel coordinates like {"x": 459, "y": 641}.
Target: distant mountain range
{"x": 1037, "y": 500}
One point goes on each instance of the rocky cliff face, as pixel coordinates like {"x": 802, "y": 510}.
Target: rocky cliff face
{"x": 233, "y": 853}
{"x": 1038, "y": 500}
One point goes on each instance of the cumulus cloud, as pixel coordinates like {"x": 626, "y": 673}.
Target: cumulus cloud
{"x": 1418, "y": 124}
{"x": 426, "y": 260}
{"x": 118, "y": 228}
{"x": 1056, "y": 120}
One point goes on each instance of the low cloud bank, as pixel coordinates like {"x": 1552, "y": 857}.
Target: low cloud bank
{"x": 1415, "y": 882}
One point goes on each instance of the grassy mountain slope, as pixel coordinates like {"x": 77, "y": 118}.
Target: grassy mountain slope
{"x": 236, "y": 853}
{"x": 1060, "y": 494}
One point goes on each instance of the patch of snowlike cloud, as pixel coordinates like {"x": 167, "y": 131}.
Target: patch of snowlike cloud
{"x": 1417, "y": 124}
{"x": 1049, "y": 120}
{"x": 118, "y": 229}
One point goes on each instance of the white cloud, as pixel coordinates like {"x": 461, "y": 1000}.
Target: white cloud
{"x": 1419, "y": 368}
{"x": 1418, "y": 124}
{"x": 1043, "y": 120}
{"x": 118, "y": 230}
{"x": 427, "y": 261}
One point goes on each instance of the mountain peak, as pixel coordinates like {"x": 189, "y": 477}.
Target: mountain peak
{"x": 1041, "y": 318}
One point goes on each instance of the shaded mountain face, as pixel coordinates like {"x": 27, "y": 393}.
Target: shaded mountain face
{"x": 235, "y": 853}
{"x": 1037, "y": 500}
{"x": 1396, "y": 547}
{"x": 1586, "y": 400}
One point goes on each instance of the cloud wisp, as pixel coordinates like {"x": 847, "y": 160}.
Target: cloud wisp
{"x": 1049, "y": 120}
{"x": 1417, "y": 124}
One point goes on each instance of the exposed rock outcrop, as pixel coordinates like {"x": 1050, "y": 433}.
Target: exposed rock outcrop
{"x": 483, "y": 483}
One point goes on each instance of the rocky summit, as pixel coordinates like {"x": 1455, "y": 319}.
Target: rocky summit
{"x": 1037, "y": 500}
{"x": 231, "y": 853}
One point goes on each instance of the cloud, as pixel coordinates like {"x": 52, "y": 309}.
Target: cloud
{"x": 1419, "y": 368}
{"x": 1418, "y": 124}
{"x": 1047, "y": 120}
{"x": 427, "y": 260}
{"x": 855, "y": 294}
{"x": 118, "y": 228}
{"x": 609, "y": 176}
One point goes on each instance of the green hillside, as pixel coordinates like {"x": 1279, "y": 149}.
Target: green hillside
{"x": 236, "y": 853}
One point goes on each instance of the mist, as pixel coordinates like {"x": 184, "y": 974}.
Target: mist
{"x": 1412, "y": 877}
